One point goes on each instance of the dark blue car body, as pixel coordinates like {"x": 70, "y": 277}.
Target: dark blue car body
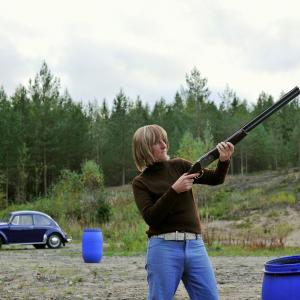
{"x": 33, "y": 228}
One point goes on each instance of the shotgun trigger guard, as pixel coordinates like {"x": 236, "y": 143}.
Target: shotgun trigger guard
{"x": 200, "y": 175}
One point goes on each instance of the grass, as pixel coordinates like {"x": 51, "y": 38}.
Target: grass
{"x": 214, "y": 250}
{"x": 237, "y": 199}
{"x": 245, "y": 251}
{"x": 226, "y": 251}
{"x": 221, "y": 250}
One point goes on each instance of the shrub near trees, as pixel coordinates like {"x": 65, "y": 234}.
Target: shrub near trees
{"x": 44, "y": 131}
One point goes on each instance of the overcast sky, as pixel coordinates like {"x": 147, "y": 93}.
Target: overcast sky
{"x": 146, "y": 48}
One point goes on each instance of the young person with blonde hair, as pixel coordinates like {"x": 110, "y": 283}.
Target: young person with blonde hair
{"x": 163, "y": 195}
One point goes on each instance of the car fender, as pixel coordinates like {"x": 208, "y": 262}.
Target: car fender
{"x": 3, "y": 236}
{"x": 50, "y": 231}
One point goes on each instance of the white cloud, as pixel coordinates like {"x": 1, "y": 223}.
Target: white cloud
{"x": 97, "y": 47}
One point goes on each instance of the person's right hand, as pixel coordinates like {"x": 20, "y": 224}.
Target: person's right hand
{"x": 184, "y": 182}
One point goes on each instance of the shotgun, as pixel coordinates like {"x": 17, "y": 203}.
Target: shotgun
{"x": 238, "y": 135}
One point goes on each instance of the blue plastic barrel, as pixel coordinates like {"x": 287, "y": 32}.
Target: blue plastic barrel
{"x": 282, "y": 279}
{"x": 92, "y": 245}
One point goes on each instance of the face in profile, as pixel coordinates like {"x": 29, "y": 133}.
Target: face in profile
{"x": 160, "y": 151}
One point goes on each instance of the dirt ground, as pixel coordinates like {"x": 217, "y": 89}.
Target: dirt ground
{"x": 27, "y": 273}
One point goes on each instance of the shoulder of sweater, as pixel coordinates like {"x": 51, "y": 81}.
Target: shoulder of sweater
{"x": 137, "y": 178}
{"x": 140, "y": 178}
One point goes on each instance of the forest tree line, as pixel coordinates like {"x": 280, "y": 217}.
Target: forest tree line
{"x": 44, "y": 131}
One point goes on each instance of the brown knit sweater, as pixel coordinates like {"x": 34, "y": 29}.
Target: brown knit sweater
{"x": 161, "y": 207}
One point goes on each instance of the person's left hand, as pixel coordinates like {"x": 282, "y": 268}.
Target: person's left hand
{"x": 226, "y": 150}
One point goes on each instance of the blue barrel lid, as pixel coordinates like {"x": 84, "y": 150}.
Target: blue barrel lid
{"x": 283, "y": 265}
{"x": 92, "y": 230}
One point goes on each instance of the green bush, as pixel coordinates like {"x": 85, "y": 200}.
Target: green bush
{"x": 75, "y": 198}
{"x": 94, "y": 205}
{"x": 81, "y": 197}
{"x": 92, "y": 176}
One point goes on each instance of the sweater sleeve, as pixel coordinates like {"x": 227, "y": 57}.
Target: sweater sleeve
{"x": 153, "y": 213}
{"x": 214, "y": 176}
{"x": 210, "y": 176}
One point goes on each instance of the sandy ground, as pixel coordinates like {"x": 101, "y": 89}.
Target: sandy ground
{"x": 27, "y": 273}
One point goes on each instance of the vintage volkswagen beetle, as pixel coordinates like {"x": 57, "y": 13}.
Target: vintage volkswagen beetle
{"x": 31, "y": 228}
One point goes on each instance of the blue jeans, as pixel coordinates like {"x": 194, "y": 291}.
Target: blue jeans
{"x": 168, "y": 262}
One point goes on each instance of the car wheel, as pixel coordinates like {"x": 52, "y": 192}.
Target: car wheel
{"x": 54, "y": 241}
{"x": 39, "y": 246}
{"x": 1, "y": 242}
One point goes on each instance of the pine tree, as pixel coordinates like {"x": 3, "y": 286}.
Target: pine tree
{"x": 6, "y": 144}
{"x": 44, "y": 93}
{"x": 119, "y": 139}
{"x": 196, "y": 93}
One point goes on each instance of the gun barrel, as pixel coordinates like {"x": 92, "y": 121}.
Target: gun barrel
{"x": 286, "y": 98}
{"x": 237, "y": 136}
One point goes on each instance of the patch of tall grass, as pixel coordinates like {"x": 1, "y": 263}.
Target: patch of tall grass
{"x": 125, "y": 233}
{"x": 254, "y": 237}
{"x": 225, "y": 203}
{"x": 221, "y": 250}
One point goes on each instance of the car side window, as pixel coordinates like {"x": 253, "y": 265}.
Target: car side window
{"x": 22, "y": 220}
{"x": 41, "y": 220}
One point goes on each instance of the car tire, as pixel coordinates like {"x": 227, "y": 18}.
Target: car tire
{"x": 1, "y": 242}
{"x": 39, "y": 246}
{"x": 54, "y": 241}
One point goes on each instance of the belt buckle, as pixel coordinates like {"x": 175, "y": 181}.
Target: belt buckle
{"x": 180, "y": 236}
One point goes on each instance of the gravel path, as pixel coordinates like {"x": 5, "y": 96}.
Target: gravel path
{"x": 27, "y": 273}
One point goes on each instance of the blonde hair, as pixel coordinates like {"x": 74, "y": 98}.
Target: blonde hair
{"x": 143, "y": 140}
